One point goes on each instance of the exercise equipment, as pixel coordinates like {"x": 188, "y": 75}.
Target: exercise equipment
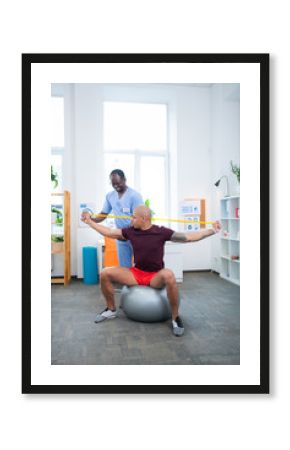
{"x": 111, "y": 216}
{"x": 90, "y": 265}
{"x": 145, "y": 304}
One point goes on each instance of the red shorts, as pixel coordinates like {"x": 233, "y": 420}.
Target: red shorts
{"x": 141, "y": 276}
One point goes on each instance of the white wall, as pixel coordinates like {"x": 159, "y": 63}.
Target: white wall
{"x": 88, "y": 168}
{"x": 193, "y": 141}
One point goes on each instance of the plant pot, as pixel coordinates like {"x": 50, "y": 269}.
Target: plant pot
{"x": 57, "y": 247}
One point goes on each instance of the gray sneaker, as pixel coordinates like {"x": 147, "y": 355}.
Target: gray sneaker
{"x": 106, "y": 314}
{"x": 177, "y": 327}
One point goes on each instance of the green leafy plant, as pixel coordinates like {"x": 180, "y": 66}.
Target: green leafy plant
{"x": 236, "y": 170}
{"x": 54, "y": 178}
{"x": 56, "y": 238}
{"x": 59, "y": 216}
{"x": 147, "y": 203}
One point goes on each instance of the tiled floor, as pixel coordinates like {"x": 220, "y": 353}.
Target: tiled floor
{"x": 210, "y": 308}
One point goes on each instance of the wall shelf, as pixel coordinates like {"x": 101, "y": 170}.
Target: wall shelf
{"x": 230, "y": 218}
{"x": 230, "y": 259}
{"x": 63, "y": 247}
{"x": 230, "y": 239}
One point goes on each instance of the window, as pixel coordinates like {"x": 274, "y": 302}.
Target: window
{"x": 135, "y": 141}
{"x": 57, "y": 140}
{"x": 152, "y": 182}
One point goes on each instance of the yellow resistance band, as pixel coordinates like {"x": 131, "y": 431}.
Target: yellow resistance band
{"x": 153, "y": 218}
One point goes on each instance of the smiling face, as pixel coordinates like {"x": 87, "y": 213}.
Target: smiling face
{"x": 118, "y": 183}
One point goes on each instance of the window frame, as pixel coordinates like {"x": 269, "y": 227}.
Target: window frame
{"x": 59, "y": 150}
{"x": 139, "y": 153}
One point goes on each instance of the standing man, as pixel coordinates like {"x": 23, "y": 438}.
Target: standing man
{"x": 148, "y": 242}
{"x": 121, "y": 202}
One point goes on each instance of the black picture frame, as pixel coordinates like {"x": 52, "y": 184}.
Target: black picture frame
{"x": 263, "y": 61}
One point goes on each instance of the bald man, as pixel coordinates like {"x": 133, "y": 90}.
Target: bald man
{"x": 148, "y": 246}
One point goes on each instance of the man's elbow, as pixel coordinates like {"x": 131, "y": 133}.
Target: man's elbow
{"x": 110, "y": 234}
{"x": 115, "y": 235}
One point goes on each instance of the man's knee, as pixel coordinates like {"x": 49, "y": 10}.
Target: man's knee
{"x": 106, "y": 274}
{"x": 169, "y": 277}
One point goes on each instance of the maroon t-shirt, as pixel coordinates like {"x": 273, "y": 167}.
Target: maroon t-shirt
{"x": 148, "y": 246}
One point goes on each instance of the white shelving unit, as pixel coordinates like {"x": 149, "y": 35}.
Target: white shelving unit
{"x": 230, "y": 239}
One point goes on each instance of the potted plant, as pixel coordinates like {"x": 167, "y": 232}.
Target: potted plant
{"x": 236, "y": 171}
{"x": 147, "y": 203}
{"x": 57, "y": 238}
{"x": 58, "y": 216}
{"x": 56, "y": 243}
{"x": 54, "y": 178}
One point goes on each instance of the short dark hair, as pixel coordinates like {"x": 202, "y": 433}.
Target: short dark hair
{"x": 118, "y": 172}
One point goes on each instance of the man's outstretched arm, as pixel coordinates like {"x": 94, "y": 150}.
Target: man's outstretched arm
{"x": 195, "y": 235}
{"x": 113, "y": 233}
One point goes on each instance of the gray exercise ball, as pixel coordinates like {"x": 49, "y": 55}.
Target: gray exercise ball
{"x": 145, "y": 304}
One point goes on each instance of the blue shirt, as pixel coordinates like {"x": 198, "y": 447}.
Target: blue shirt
{"x": 123, "y": 206}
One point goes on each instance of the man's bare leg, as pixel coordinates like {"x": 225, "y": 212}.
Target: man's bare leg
{"x": 165, "y": 277}
{"x": 110, "y": 275}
